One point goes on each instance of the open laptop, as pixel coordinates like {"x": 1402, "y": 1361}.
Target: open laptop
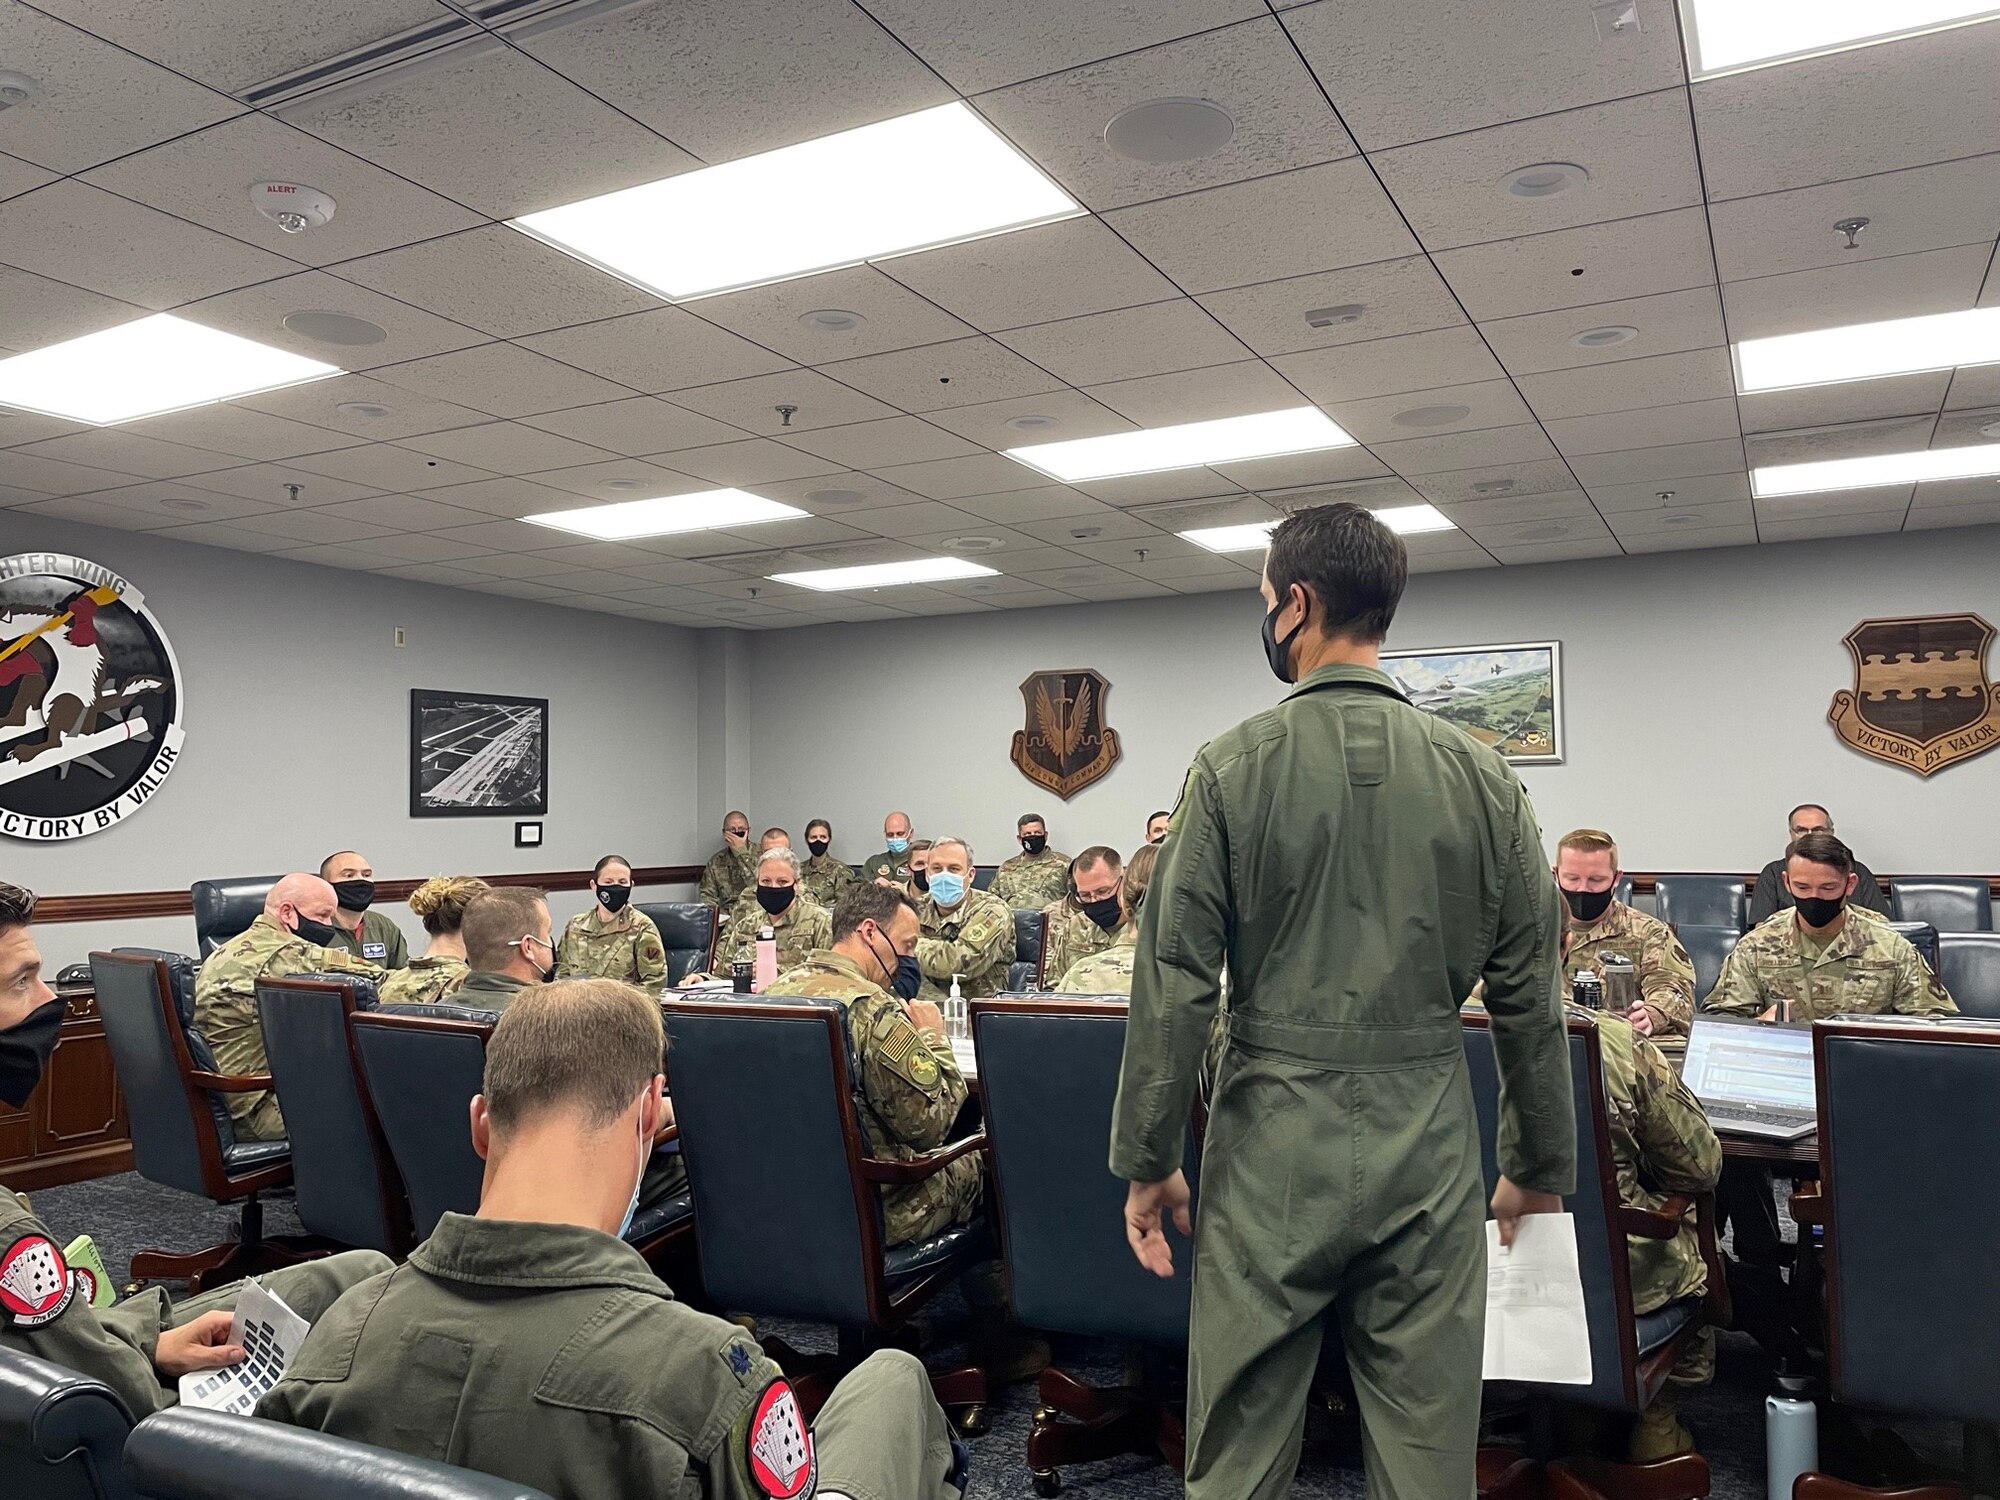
{"x": 1753, "y": 1079}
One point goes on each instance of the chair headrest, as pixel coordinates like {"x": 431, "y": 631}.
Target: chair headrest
{"x": 181, "y": 974}
{"x": 442, "y": 1011}
{"x": 365, "y": 997}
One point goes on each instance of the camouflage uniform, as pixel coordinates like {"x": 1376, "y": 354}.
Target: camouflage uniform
{"x": 1662, "y": 1144}
{"x": 1028, "y": 882}
{"x": 423, "y": 982}
{"x": 974, "y": 941}
{"x": 825, "y": 879}
{"x": 1666, "y": 973}
{"x": 1106, "y": 973}
{"x": 725, "y": 875}
{"x": 1867, "y": 969}
{"x": 911, "y": 1091}
{"x": 627, "y": 947}
{"x": 225, "y": 1009}
{"x": 800, "y": 928}
{"x": 1070, "y": 936}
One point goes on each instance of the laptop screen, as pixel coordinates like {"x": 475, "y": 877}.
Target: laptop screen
{"x": 1768, "y": 1066}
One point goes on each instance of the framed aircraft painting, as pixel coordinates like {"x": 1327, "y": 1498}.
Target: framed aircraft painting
{"x": 1509, "y": 697}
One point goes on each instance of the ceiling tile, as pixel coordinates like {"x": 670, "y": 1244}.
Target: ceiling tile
{"x": 638, "y": 424}
{"x": 1489, "y": 403}
{"x": 1251, "y": 70}
{"x": 96, "y": 101}
{"x": 505, "y": 448}
{"x": 982, "y": 47}
{"x": 320, "y": 403}
{"x": 1641, "y": 465}
{"x": 1664, "y": 252}
{"x": 403, "y": 513}
{"x": 1666, "y": 324}
{"x": 1657, "y": 380}
{"x": 754, "y": 462}
{"x": 1937, "y": 517}
{"x": 35, "y": 311}
{"x": 20, "y": 469}
{"x": 491, "y": 128}
{"x": 1483, "y": 484}
{"x": 173, "y": 502}
{"x": 17, "y": 176}
{"x": 1401, "y": 73}
{"x": 912, "y": 520}
{"x": 265, "y": 484}
{"x": 949, "y": 478}
{"x": 258, "y": 312}
{"x": 1498, "y": 445}
{"x": 1133, "y": 341}
{"x": 1390, "y": 297}
{"x": 878, "y": 445}
{"x": 1484, "y": 515}
{"x": 838, "y": 493}
{"x": 894, "y": 317}
{"x": 1383, "y": 367}
{"x": 1850, "y": 401}
{"x": 90, "y": 238}
{"x": 127, "y": 453}
{"x": 294, "y": 528}
{"x": 1335, "y": 214}
{"x": 1107, "y": 526}
{"x": 1978, "y": 386}
{"x": 1923, "y": 208}
{"x": 226, "y": 534}
{"x": 503, "y": 380}
{"x": 1052, "y": 502}
{"x": 343, "y": 555}
{"x": 1671, "y": 518}
{"x": 1171, "y": 485}
{"x": 206, "y": 177}
{"x": 1850, "y": 440}
{"x": 1290, "y": 470}
{"x": 608, "y": 480}
{"x": 752, "y": 404}
{"x": 513, "y": 538}
{"x": 1073, "y": 415}
{"x": 666, "y": 349}
{"x": 1692, "y": 491}
{"x": 92, "y": 512}
{"x": 1689, "y": 539}
{"x": 21, "y": 427}
{"x": 509, "y": 497}
{"x": 1957, "y": 429}
{"x": 1692, "y": 422}
{"x": 1871, "y": 109}
{"x": 239, "y": 432}
{"x": 385, "y": 466}
{"x": 1060, "y": 270}
{"x": 1199, "y": 395}
{"x": 730, "y": 78}
{"x": 1639, "y": 153}
{"x": 497, "y": 280}
{"x": 964, "y": 372}
{"x": 1830, "y": 523}
{"x": 1860, "y": 291}
{"x": 1948, "y": 493}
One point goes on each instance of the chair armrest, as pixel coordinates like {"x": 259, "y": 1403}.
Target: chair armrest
{"x": 1808, "y": 1206}
{"x": 1715, "y": 1301}
{"x": 1661, "y": 1223}
{"x": 666, "y": 1133}
{"x": 230, "y": 1083}
{"x": 926, "y": 1164}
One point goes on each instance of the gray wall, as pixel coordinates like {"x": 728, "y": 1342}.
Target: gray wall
{"x": 297, "y": 721}
{"x": 1695, "y": 690}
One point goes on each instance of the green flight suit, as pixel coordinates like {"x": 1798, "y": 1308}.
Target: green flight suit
{"x": 552, "y": 1356}
{"x": 485, "y": 990}
{"x": 1357, "y": 864}
{"x": 887, "y": 866}
{"x": 377, "y": 939}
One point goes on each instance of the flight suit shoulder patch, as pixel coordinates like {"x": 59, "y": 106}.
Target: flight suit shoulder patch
{"x": 903, "y": 1053}
{"x": 36, "y": 1284}
{"x": 779, "y": 1446}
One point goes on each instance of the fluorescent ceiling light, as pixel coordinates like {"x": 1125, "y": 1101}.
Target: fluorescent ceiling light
{"x": 1881, "y": 469}
{"x": 1864, "y": 351}
{"x": 932, "y": 178}
{"x": 1298, "y": 429}
{"x": 1404, "y": 520}
{"x": 1726, "y": 36}
{"x": 141, "y": 369}
{"x": 884, "y": 575}
{"x": 664, "y": 515}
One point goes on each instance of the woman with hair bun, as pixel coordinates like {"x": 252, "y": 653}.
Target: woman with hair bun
{"x": 440, "y": 902}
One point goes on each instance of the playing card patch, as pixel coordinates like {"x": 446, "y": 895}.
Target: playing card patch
{"x": 781, "y": 1455}
{"x": 36, "y": 1285}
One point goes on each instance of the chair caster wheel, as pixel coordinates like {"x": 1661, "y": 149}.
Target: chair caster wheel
{"x": 974, "y": 1422}
{"x": 1048, "y": 1484}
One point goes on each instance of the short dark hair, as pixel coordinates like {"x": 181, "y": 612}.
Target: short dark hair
{"x": 1821, "y": 848}
{"x": 17, "y": 906}
{"x": 327, "y": 863}
{"x": 609, "y": 859}
{"x": 496, "y": 919}
{"x": 1162, "y": 813}
{"x": 1026, "y": 818}
{"x": 1354, "y": 566}
{"x": 1802, "y": 807}
{"x": 1096, "y": 854}
{"x": 866, "y": 901}
{"x": 820, "y": 823}
{"x": 588, "y": 1045}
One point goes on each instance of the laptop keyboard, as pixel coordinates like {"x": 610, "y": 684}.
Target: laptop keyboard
{"x": 1758, "y": 1116}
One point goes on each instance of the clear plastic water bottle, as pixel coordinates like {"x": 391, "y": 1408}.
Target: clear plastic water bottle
{"x": 767, "y": 958}
{"x": 955, "y": 1026}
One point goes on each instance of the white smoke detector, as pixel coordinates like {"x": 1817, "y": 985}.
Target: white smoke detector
{"x": 16, "y": 88}
{"x": 292, "y": 206}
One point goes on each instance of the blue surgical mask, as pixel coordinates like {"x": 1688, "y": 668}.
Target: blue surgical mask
{"x": 899, "y": 846}
{"x": 947, "y": 887}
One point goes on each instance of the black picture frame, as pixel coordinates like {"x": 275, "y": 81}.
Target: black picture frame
{"x": 451, "y": 731}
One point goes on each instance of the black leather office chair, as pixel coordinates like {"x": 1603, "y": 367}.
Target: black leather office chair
{"x": 1969, "y": 965}
{"x": 182, "y": 1136}
{"x": 1623, "y": 890}
{"x": 983, "y": 877}
{"x": 1912, "y": 1316}
{"x": 1630, "y": 1354}
{"x": 1701, "y": 900}
{"x": 687, "y": 928}
{"x": 796, "y": 1139}
{"x": 1950, "y": 903}
{"x": 1710, "y": 948}
{"x": 187, "y": 1454}
{"x": 1025, "y": 971}
{"x": 348, "y": 1187}
{"x": 1048, "y": 1076}
{"x": 1923, "y": 937}
{"x": 61, "y": 1433}
{"x": 223, "y": 908}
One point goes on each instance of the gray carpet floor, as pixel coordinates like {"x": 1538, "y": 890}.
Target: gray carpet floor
{"x": 126, "y": 1213}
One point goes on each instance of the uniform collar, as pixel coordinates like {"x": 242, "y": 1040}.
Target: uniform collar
{"x": 617, "y": 921}
{"x": 1340, "y": 674}
{"x": 930, "y": 911}
{"x": 540, "y": 1257}
{"x": 1610, "y": 921}
{"x": 1850, "y": 940}
{"x": 490, "y": 982}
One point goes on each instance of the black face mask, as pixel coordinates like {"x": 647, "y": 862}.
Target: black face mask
{"x": 775, "y": 898}
{"x": 1279, "y": 653}
{"x": 1106, "y": 913}
{"x": 354, "y": 895}
{"x": 921, "y": 879}
{"x": 818, "y": 846}
{"x": 25, "y": 1049}
{"x": 1035, "y": 843}
{"x": 613, "y": 897}
{"x": 306, "y": 929}
{"x": 1819, "y": 910}
{"x": 1588, "y": 906}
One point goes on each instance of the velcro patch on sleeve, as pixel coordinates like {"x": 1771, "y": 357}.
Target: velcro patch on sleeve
{"x": 781, "y": 1456}
{"x": 36, "y": 1285}
{"x": 898, "y": 1044}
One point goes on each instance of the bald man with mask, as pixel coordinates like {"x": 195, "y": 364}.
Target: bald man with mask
{"x": 294, "y": 935}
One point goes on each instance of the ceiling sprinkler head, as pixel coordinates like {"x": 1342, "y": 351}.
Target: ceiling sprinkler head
{"x": 785, "y": 413}
{"x": 1852, "y": 229}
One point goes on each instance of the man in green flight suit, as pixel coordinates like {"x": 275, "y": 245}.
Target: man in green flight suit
{"x": 1357, "y": 865}
{"x": 372, "y": 935}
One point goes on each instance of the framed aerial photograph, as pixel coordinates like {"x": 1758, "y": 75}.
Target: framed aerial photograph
{"x": 1509, "y": 697}
{"x": 478, "y": 755}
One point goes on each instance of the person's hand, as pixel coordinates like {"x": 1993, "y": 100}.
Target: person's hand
{"x": 1145, "y": 1229}
{"x": 735, "y": 840}
{"x": 925, "y": 1016}
{"x": 1512, "y": 1203}
{"x": 1642, "y": 1020}
{"x": 199, "y": 1344}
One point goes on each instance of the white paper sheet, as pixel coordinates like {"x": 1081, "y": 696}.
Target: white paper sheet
{"x": 1535, "y": 1325}
{"x": 270, "y": 1334}
{"x": 968, "y": 1060}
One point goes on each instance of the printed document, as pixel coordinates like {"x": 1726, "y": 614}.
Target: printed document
{"x": 1535, "y": 1327}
